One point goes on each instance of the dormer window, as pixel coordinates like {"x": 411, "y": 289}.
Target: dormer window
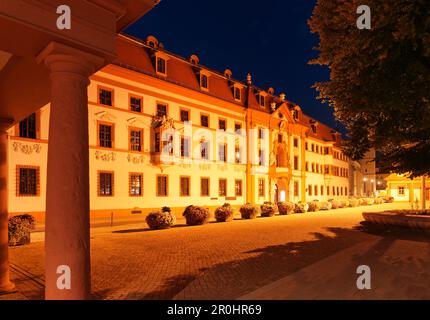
{"x": 204, "y": 81}
{"x": 314, "y": 128}
{"x": 295, "y": 114}
{"x": 161, "y": 66}
{"x": 261, "y": 100}
{"x": 237, "y": 94}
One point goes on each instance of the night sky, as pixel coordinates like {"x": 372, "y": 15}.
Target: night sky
{"x": 270, "y": 39}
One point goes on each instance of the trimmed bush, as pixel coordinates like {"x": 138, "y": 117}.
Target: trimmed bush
{"x": 163, "y": 219}
{"x": 325, "y": 205}
{"x": 20, "y": 228}
{"x": 301, "y": 207}
{"x": 378, "y": 200}
{"x": 286, "y": 208}
{"x": 195, "y": 215}
{"x": 364, "y": 202}
{"x": 224, "y": 213}
{"x": 388, "y": 199}
{"x": 268, "y": 209}
{"x": 248, "y": 211}
{"x": 344, "y": 203}
{"x": 353, "y": 202}
{"x": 313, "y": 206}
{"x": 335, "y": 204}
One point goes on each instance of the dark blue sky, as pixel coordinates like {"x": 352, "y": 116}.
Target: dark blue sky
{"x": 270, "y": 39}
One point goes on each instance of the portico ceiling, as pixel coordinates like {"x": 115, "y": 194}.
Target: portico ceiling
{"x": 27, "y": 27}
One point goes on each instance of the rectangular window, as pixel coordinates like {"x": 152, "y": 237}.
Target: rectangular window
{"x": 204, "y": 150}
{"x": 222, "y": 152}
{"x": 221, "y": 124}
{"x": 280, "y": 138}
{"x": 28, "y": 183}
{"x": 260, "y": 133}
{"x": 157, "y": 142}
{"x": 296, "y": 163}
{"x": 204, "y": 187}
{"x": 185, "y": 147}
{"x": 161, "y": 110}
{"x": 315, "y": 190}
{"x": 136, "y": 104}
{"x": 307, "y": 166}
{"x": 238, "y": 188}
{"x": 204, "y": 120}
{"x": 162, "y": 181}
{"x": 237, "y": 154}
{"x": 106, "y": 184}
{"x": 261, "y": 101}
{"x": 136, "y": 184}
{"x": 237, "y": 128}
{"x": 322, "y": 190}
{"x": 260, "y": 157}
{"x": 204, "y": 81}
{"x": 296, "y": 188}
{"x": 167, "y": 144}
{"x": 161, "y": 65}
{"x": 222, "y": 187}
{"x": 105, "y": 135}
{"x": 261, "y": 188}
{"x": 237, "y": 93}
{"x": 328, "y": 191}
{"x": 296, "y": 143}
{"x": 27, "y": 127}
{"x": 185, "y": 115}
{"x": 185, "y": 186}
{"x": 105, "y": 97}
{"x": 401, "y": 191}
{"x": 310, "y": 190}
{"x": 306, "y": 146}
{"x": 136, "y": 138}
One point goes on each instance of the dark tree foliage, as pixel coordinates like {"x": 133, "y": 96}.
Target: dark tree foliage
{"x": 379, "y": 82}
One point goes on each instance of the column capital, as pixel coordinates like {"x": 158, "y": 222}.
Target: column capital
{"x": 62, "y": 58}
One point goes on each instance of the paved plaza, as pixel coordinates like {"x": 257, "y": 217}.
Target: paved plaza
{"x": 311, "y": 256}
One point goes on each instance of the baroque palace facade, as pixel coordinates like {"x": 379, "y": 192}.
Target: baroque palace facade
{"x": 166, "y": 131}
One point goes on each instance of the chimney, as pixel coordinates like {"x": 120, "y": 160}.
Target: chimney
{"x": 282, "y": 96}
{"x": 249, "y": 79}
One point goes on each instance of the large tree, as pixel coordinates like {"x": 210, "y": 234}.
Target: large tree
{"x": 379, "y": 78}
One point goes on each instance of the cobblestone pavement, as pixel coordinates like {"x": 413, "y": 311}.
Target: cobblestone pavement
{"x": 214, "y": 261}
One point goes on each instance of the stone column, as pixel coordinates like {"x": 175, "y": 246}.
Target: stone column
{"x": 67, "y": 234}
{"x": 5, "y": 284}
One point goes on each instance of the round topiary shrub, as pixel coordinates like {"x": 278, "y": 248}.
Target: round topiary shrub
{"x": 325, "y": 205}
{"x": 224, "y": 213}
{"x": 195, "y": 215}
{"x": 248, "y": 211}
{"x": 285, "y": 208}
{"x": 335, "y": 204}
{"x": 353, "y": 202}
{"x": 20, "y": 228}
{"x": 163, "y": 219}
{"x": 268, "y": 209}
{"x": 388, "y": 199}
{"x": 378, "y": 200}
{"x": 301, "y": 207}
{"x": 364, "y": 202}
{"x": 313, "y": 206}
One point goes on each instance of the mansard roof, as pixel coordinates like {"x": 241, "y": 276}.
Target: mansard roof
{"x": 140, "y": 55}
